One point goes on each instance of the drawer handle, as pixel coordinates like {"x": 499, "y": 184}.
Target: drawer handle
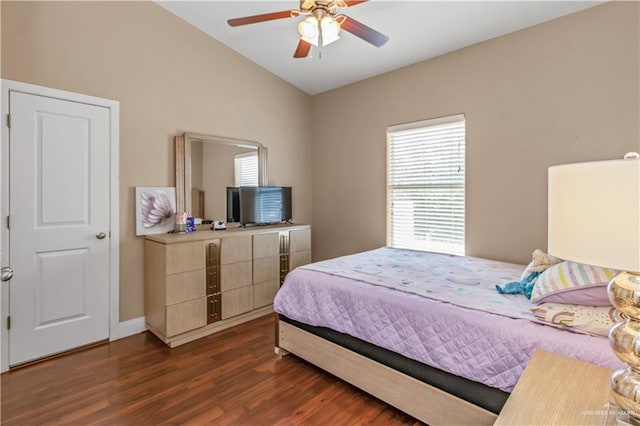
{"x": 212, "y": 254}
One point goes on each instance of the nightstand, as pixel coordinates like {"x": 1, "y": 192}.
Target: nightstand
{"x": 556, "y": 390}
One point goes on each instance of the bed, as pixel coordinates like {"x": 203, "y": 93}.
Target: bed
{"x": 427, "y": 333}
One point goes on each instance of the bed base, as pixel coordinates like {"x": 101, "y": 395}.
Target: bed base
{"x": 418, "y": 399}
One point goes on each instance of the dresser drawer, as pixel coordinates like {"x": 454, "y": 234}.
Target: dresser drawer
{"x": 185, "y": 257}
{"x": 185, "y": 286}
{"x": 266, "y": 245}
{"x": 264, "y": 293}
{"x": 186, "y": 316}
{"x": 266, "y": 269}
{"x": 299, "y": 240}
{"x": 299, "y": 258}
{"x": 236, "y": 302}
{"x": 235, "y": 275}
{"x": 235, "y": 249}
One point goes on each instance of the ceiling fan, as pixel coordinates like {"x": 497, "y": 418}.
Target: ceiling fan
{"x": 322, "y": 25}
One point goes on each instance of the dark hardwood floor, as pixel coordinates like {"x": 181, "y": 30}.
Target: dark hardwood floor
{"x": 232, "y": 377}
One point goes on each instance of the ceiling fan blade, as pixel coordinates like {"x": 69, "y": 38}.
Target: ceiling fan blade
{"x": 359, "y": 29}
{"x": 260, "y": 18}
{"x": 351, "y": 3}
{"x": 302, "y": 50}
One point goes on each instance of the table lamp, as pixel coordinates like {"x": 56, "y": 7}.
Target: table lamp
{"x": 594, "y": 218}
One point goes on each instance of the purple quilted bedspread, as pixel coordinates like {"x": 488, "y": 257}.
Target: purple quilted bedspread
{"x": 484, "y": 347}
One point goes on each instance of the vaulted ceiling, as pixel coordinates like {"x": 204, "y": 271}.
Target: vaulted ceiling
{"x": 417, "y": 30}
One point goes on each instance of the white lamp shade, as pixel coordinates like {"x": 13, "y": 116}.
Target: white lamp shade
{"x": 330, "y": 30}
{"x": 327, "y": 40}
{"x": 330, "y": 27}
{"x": 308, "y": 28}
{"x": 594, "y": 213}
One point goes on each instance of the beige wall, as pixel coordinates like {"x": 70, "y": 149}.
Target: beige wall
{"x": 564, "y": 91}
{"x": 169, "y": 77}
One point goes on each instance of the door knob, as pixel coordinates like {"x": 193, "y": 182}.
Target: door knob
{"x": 6, "y": 273}
{"x": 101, "y": 235}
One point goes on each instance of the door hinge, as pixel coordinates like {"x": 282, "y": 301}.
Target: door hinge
{"x": 9, "y": 322}
{"x": 8, "y": 120}
{"x": 8, "y": 222}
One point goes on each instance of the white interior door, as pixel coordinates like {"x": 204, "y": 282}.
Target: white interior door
{"x": 59, "y": 210}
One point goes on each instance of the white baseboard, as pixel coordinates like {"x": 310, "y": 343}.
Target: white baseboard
{"x": 129, "y": 328}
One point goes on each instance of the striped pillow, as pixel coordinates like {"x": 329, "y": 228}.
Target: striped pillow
{"x": 573, "y": 283}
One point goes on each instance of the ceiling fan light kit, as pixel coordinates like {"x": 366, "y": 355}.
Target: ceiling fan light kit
{"x": 321, "y": 26}
{"x": 314, "y": 31}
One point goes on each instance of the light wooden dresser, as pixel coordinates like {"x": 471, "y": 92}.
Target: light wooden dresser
{"x": 199, "y": 283}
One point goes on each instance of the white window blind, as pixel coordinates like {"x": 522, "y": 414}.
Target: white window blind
{"x": 246, "y": 169}
{"x": 425, "y": 178}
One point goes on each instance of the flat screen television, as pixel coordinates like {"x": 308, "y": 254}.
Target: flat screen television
{"x": 233, "y": 204}
{"x": 265, "y": 204}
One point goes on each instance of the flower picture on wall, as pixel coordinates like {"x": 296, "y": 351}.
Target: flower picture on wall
{"x": 155, "y": 210}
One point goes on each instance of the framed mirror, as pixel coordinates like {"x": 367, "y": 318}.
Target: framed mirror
{"x": 206, "y": 165}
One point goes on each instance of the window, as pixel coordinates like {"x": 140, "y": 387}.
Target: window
{"x": 246, "y": 169}
{"x": 425, "y": 185}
